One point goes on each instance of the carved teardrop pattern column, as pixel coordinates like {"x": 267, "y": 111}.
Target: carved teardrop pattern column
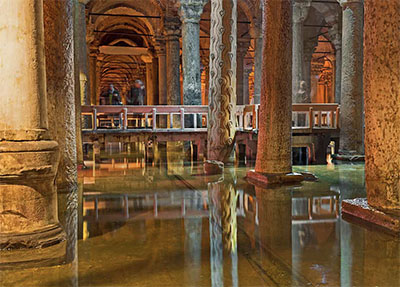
{"x": 222, "y": 93}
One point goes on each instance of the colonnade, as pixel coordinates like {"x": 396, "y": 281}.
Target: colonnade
{"x": 40, "y": 69}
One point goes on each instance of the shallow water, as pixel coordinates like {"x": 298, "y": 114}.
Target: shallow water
{"x": 164, "y": 224}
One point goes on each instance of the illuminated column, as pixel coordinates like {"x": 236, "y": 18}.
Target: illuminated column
{"x": 93, "y": 76}
{"x": 300, "y": 12}
{"x": 336, "y": 38}
{"x": 246, "y": 93}
{"x": 149, "y": 80}
{"x": 59, "y": 51}
{"x": 28, "y": 158}
{"x": 243, "y": 46}
{"x": 382, "y": 121}
{"x": 382, "y": 104}
{"x": 256, "y": 32}
{"x": 172, "y": 26}
{"x": 222, "y": 93}
{"x": 162, "y": 72}
{"x": 351, "y": 110}
{"x": 82, "y": 94}
{"x": 274, "y": 149}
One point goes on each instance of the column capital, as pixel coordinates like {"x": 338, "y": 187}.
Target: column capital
{"x": 300, "y": 10}
{"x": 172, "y": 28}
{"x": 191, "y": 10}
{"x": 351, "y": 3}
{"x": 147, "y": 59}
{"x": 160, "y": 46}
{"x": 84, "y": 2}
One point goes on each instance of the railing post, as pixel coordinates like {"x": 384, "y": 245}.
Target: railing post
{"x": 154, "y": 119}
{"x": 337, "y": 117}
{"x": 311, "y": 118}
{"x": 319, "y": 119}
{"x": 171, "y": 120}
{"x": 182, "y": 118}
{"x": 195, "y": 121}
{"x": 125, "y": 125}
{"x": 146, "y": 120}
{"x": 331, "y": 119}
{"x": 241, "y": 121}
{"x": 257, "y": 107}
{"x": 94, "y": 118}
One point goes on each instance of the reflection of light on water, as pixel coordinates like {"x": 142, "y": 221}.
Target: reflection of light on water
{"x": 329, "y": 159}
{"x": 85, "y": 230}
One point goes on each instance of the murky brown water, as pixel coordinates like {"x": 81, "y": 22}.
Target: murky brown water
{"x": 163, "y": 224}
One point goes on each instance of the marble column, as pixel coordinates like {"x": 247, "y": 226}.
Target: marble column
{"x": 336, "y": 38}
{"x": 99, "y": 63}
{"x": 222, "y": 92}
{"x": 59, "y": 49}
{"x": 351, "y": 112}
{"x": 172, "y": 26}
{"x": 274, "y": 149}
{"x": 28, "y": 156}
{"x": 382, "y": 104}
{"x": 162, "y": 72}
{"x": 242, "y": 47}
{"x": 300, "y": 12}
{"x": 82, "y": 94}
{"x": 190, "y": 12}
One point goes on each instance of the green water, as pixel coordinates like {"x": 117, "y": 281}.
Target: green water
{"x": 164, "y": 224}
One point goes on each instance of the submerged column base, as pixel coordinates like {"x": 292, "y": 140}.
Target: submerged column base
{"x": 360, "y": 209}
{"x": 213, "y": 167}
{"x": 29, "y": 227}
{"x": 263, "y": 179}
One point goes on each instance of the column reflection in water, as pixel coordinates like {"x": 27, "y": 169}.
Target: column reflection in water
{"x": 223, "y": 229}
{"x": 193, "y": 228}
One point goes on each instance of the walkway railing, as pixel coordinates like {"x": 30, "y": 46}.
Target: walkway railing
{"x": 305, "y": 117}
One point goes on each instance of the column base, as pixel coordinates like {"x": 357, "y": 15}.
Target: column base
{"x": 213, "y": 167}
{"x": 45, "y": 246}
{"x": 349, "y": 157}
{"x": 263, "y": 179}
{"x": 359, "y": 209}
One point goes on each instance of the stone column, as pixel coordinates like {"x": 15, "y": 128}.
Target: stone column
{"x": 93, "y": 77}
{"x": 382, "y": 104}
{"x": 274, "y": 149}
{"x": 162, "y": 72}
{"x": 246, "y": 93}
{"x": 149, "y": 80}
{"x": 351, "y": 112}
{"x": 59, "y": 49}
{"x": 336, "y": 38}
{"x": 29, "y": 159}
{"x": 242, "y": 47}
{"x": 82, "y": 94}
{"x": 256, "y": 33}
{"x": 99, "y": 63}
{"x": 382, "y": 120}
{"x": 190, "y": 12}
{"x": 222, "y": 93}
{"x": 300, "y": 12}
{"x": 309, "y": 48}
{"x": 173, "y": 61}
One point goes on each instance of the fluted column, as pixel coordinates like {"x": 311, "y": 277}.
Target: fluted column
{"x": 222, "y": 93}
{"x": 300, "y": 12}
{"x": 173, "y": 61}
{"x": 28, "y": 158}
{"x": 59, "y": 48}
{"x": 274, "y": 149}
{"x": 382, "y": 104}
{"x": 162, "y": 72}
{"x": 243, "y": 46}
{"x": 351, "y": 112}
